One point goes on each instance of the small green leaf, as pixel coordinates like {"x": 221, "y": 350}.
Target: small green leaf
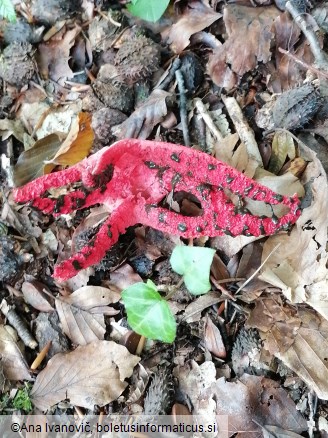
{"x": 194, "y": 264}
{"x": 150, "y": 10}
{"x": 7, "y": 10}
{"x": 148, "y": 313}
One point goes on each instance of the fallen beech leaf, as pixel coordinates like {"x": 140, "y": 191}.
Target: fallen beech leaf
{"x": 213, "y": 339}
{"x": 143, "y": 120}
{"x": 12, "y": 360}
{"x": 90, "y": 375}
{"x": 30, "y": 163}
{"x": 249, "y": 41}
{"x": 304, "y": 278}
{"x": 53, "y": 55}
{"x": 196, "y": 17}
{"x": 34, "y": 295}
{"x": 193, "y": 310}
{"x": 77, "y": 144}
{"x": 82, "y": 313}
{"x": 282, "y": 142}
{"x": 299, "y": 341}
{"x": 256, "y": 398}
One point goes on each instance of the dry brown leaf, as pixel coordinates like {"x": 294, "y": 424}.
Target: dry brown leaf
{"x": 53, "y": 55}
{"x": 196, "y": 17}
{"x": 298, "y": 266}
{"x": 77, "y": 144}
{"x": 213, "y": 339}
{"x": 12, "y": 127}
{"x": 90, "y": 375}
{"x": 122, "y": 278}
{"x": 143, "y": 120}
{"x": 34, "y": 295}
{"x": 82, "y": 313}
{"x": 299, "y": 341}
{"x": 249, "y": 40}
{"x": 12, "y": 359}
{"x": 30, "y": 163}
{"x": 287, "y": 73}
{"x": 256, "y": 398}
{"x": 276, "y": 322}
{"x": 193, "y": 310}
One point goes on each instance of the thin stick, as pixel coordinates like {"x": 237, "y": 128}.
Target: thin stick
{"x": 39, "y": 358}
{"x": 140, "y": 346}
{"x": 258, "y": 269}
{"x": 170, "y": 76}
{"x": 319, "y": 55}
{"x": 243, "y": 129}
{"x": 302, "y": 63}
{"x": 183, "y": 107}
{"x": 207, "y": 119}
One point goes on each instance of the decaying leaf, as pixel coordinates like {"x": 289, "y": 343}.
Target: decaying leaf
{"x": 82, "y": 313}
{"x": 143, "y": 120}
{"x": 30, "y": 164}
{"x": 77, "y": 144}
{"x": 249, "y": 40}
{"x": 34, "y": 295}
{"x": 12, "y": 359}
{"x": 299, "y": 340}
{"x": 90, "y": 375}
{"x": 213, "y": 339}
{"x": 282, "y": 144}
{"x": 256, "y": 398}
{"x": 53, "y": 55}
{"x": 298, "y": 266}
{"x": 50, "y": 151}
{"x": 196, "y": 17}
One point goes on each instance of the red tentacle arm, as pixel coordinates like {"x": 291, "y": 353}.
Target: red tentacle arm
{"x": 108, "y": 234}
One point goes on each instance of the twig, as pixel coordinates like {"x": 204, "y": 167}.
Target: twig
{"x": 19, "y": 325}
{"x": 258, "y": 269}
{"x": 319, "y": 55}
{"x": 302, "y": 63}
{"x": 38, "y": 360}
{"x": 170, "y": 76}
{"x": 140, "y": 346}
{"x": 207, "y": 119}
{"x": 183, "y": 107}
{"x": 245, "y": 133}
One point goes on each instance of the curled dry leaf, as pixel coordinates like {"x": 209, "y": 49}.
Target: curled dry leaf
{"x": 143, "y": 120}
{"x": 299, "y": 341}
{"x": 196, "y": 17}
{"x": 213, "y": 339}
{"x": 298, "y": 266}
{"x": 35, "y": 297}
{"x": 53, "y": 55}
{"x": 82, "y": 313}
{"x": 90, "y": 375}
{"x": 249, "y": 40}
{"x": 12, "y": 359}
{"x": 255, "y": 398}
{"x": 50, "y": 151}
{"x": 193, "y": 310}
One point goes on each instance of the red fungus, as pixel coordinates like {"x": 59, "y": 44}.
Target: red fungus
{"x": 132, "y": 177}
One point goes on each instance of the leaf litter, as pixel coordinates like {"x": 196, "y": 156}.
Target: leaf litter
{"x": 110, "y": 71}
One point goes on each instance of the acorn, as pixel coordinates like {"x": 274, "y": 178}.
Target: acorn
{"x": 16, "y": 64}
{"x": 137, "y": 58}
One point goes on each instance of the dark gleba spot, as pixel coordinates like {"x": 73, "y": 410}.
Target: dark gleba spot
{"x": 182, "y": 227}
{"x": 76, "y": 265}
{"x": 151, "y": 164}
{"x": 175, "y": 157}
{"x": 211, "y": 167}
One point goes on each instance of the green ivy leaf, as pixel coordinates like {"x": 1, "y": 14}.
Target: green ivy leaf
{"x": 194, "y": 264}
{"x": 148, "y": 313}
{"x": 7, "y": 10}
{"x": 150, "y": 10}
